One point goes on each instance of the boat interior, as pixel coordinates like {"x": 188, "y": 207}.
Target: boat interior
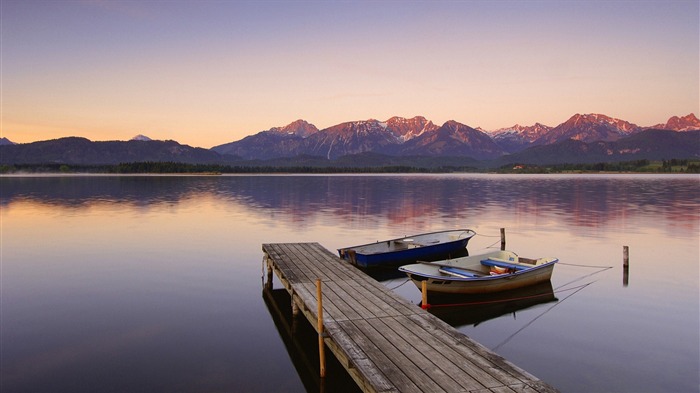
{"x": 491, "y": 266}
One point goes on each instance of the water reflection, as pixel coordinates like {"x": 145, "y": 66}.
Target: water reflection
{"x": 474, "y": 309}
{"x": 301, "y": 341}
{"x": 587, "y": 202}
{"x": 82, "y": 191}
{"x": 158, "y": 276}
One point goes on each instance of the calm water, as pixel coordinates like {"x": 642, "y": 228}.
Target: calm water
{"x": 155, "y": 283}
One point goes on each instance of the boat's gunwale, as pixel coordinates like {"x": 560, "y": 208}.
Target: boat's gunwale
{"x": 443, "y": 277}
{"x": 473, "y": 233}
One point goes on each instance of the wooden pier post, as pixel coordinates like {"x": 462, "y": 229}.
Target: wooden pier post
{"x": 503, "y": 238}
{"x": 625, "y": 265}
{"x": 424, "y": 295}
{"x": 295, "y": 314}
{"x": 295, "y": 308}
{"x": 321, "y": 345}
{"x": 268, "y": 283}
{"x": 269, "y": 274}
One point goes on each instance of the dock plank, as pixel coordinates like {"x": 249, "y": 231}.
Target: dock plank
{"x": 386, "y": 343}
{"x": 461, "y": 372}
{"x": 398, "y": 359}
{"x": 347, "y": 300}
{"x": 411, "y": 356}
{"x": 359, "y": 366}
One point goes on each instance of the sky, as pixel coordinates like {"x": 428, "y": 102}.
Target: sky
{"x": 205, "y": 73}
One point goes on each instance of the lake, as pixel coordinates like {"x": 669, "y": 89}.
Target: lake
{"x": 155, "y": 283}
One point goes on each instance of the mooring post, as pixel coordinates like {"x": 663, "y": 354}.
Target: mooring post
{"x": 321, "y": 350}
{"x": 625, "y": 265}
{"x": 503, "y": 239}
{"x": 424, "y": 292}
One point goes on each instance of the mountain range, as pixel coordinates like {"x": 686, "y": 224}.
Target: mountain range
{"x": 582, "y": 138}
{"x": 418, "y": 136}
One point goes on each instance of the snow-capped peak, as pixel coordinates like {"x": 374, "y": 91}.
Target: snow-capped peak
{"x": 685, "y": 123}
{"x": 299, "y": 127}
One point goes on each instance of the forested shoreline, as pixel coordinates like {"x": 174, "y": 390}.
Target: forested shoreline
{"x": 637, "y": 166}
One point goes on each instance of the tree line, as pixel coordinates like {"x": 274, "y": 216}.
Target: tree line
{"x": 212, "y": 169}
{"x": 636, "y": 166}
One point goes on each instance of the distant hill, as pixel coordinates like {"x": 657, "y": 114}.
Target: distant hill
{"x": 398, "y": 141}
{"x": 395, "y": 136}
{"x": 388, "y": 137}
{"x": 300, "y": 128}
{"x": 685, "y": 123}
{"x": 453, "y": 139}
{"x": 75, "y": 150}
{"x": 273, "y": 143}
{"x": 588, "y": 128}
{"x": 517, "y": 138}
{"x": 648, "y": 144}
{"x": 418, "y": 136}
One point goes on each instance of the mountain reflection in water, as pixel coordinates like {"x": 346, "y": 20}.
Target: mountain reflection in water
{"x": 587, "y": 201}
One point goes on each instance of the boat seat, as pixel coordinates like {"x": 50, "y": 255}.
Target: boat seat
{"x": 408, "y": 244}
{"x": 501, "y": 263}
{"x": 457, "y": 272}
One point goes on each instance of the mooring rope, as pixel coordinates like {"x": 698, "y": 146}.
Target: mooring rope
{"x": 405, "y": 281}
{"x": 602, "y": 269}
{"x": 492, "y": 245}
{"x": 573, "y": 264}
{"x": 479, "y": 234}
{"x": 537, "y": 317}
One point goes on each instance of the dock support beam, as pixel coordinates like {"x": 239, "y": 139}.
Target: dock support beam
{"x": 424, "y": 297}
{"x": 295, "y": 315}
{"x": 268, "y": 282}
{"x": 295, "y": 308}
{"x": 625, "y": 265}
{"x": 503, "y": 239}
{"x": 321, "y": 345}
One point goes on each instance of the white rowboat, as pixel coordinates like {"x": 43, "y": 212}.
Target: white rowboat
{"x": 486, "y": 273}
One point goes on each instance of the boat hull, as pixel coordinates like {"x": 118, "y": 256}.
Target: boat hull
{"x": 491, "y": 284}
{"x": 395, "y": 252}
{"x": 482, "y": 281}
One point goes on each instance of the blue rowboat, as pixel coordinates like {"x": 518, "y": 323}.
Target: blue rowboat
{"x": 425, "y": 247}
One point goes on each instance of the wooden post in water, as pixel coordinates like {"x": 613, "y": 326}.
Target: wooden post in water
{"x": 503, "y": 238}
{"x": 295, "y": 315}
{"x": 424, "y": 295}
{"x": 321, "y": 349}
{"x": 268, "y": 284}
{"x": 625, "y": 265}
{"x": 295, "y": 308}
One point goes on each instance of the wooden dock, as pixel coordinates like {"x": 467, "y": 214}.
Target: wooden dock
{"x": 386, "y": 343}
